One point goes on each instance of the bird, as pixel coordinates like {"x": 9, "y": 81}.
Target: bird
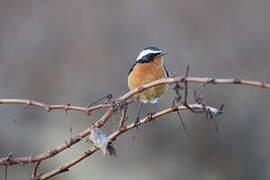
{"x": 147, "y": 68}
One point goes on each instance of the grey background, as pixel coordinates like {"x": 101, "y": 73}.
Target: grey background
{"x": 76, "y": 51}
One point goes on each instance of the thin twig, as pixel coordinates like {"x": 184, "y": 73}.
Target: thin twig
{"x": 178, "y": 113}
{"x": 20, "y": 113}
{"x": 48, "y": 107}
{"x": 6, "y": 171}
{"x": 34, "y": 171}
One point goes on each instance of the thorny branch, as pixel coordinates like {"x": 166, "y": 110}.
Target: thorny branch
{"x": 117, "y": 133}
{"x": 172, "y": 80}
{"x": 118, "y": 104}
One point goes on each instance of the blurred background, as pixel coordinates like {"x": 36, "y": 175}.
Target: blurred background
{"x": 77, "y": 51}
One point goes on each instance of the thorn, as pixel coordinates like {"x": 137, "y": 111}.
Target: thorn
{"x": 52, "y": 151}
{"x": 75, "y": 138}
{"x": 64, "y": 170}
{"x": 140, "y": 89}
{"x": 68, "y": 142}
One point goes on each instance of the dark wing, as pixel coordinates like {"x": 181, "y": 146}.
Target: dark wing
{"x": 167, "y": 73}
{"x": 136, "y": 62}
{"x": 132, "y": 67}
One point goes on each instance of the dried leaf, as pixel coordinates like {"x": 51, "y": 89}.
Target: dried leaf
{"x": 101, "y": 141}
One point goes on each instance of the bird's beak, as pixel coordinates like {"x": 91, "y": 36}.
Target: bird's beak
{"x": 163, "y": 54}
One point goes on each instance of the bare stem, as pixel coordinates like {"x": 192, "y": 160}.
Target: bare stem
{"x": 114, "y": 135}
{"x": 112, "y": 107}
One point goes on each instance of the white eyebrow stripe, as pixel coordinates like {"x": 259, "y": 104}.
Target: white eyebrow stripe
{"x": 144, "y": 52}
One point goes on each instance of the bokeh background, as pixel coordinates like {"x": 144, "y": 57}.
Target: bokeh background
{"x": 76, "y": 51}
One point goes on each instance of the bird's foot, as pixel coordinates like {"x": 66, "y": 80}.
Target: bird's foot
{"x": 137, "y": 123}
{"x": 150, "y": 116}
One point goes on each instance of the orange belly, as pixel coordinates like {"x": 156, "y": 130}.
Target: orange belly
{"x": 145, "y": 73}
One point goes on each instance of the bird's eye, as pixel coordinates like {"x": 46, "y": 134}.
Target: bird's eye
{"x": 149, "y": 57}
{"x": 145, "y": 58}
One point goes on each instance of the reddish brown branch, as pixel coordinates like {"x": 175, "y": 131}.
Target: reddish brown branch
{"x": 112, "y": 108}
{"x": 54, "y": 151}
{"x": 206, "y": 80}
{"x": 117, "y": 133}
{"x": 179, "y": 79}
{"x": 47, "y": 107}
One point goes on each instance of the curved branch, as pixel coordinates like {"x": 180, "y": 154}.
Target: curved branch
{"x": 114, "y": 135}
{"x": 60, "y": 148}
{"x": 48, "y": 107}
{"x": 205, "y": 80}
{"x": 179, "y": 79}
{"x": 172, "y": 80}
{"x": 112, "y": 108}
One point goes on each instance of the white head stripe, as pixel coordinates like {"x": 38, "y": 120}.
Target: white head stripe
{"x": 145, "y": 52}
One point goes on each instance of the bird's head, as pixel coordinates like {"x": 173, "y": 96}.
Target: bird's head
{"x": 149, "y": 54}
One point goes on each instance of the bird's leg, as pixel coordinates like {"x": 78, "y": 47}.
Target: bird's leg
{"x": 150, "y": 115}
{"x": 137, "y": 122}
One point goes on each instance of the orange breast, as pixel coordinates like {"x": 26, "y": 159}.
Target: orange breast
{"x": 144, "y": 73}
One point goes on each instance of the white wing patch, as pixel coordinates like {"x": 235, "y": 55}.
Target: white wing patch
{"x": 145, "y": 52}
